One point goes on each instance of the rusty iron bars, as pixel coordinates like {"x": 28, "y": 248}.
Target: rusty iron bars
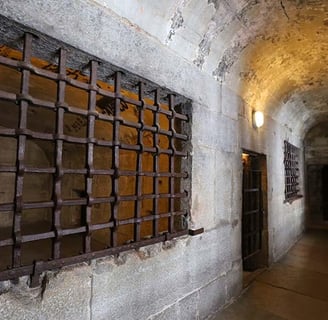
{"x": 291, "y": 171}
{"x": 175, "y": 153}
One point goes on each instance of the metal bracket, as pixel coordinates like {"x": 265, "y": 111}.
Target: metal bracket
{"x": 35, "y": 276}
{"x": 195, "y": 232}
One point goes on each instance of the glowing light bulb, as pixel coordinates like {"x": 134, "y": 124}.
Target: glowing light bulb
{"x": 258, "y": 119}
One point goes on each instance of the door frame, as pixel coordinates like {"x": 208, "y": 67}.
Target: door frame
{"x": 261, "y": 259}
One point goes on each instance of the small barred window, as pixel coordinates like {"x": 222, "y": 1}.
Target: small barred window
{"x": 291, "y": 157}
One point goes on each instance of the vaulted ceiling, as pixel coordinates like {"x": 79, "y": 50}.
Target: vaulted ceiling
{"x": 274, "y": 53}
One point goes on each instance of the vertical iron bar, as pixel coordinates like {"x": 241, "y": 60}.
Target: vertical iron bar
{"x": 172, "y": 163}
{"x": 138, "y": 190}
{"x": 289, "y": 170}
{"x": 90, "y": 151}
{"x": 285, "y": 163}
{"x": 58, "y": 201}
{"x": 261, "y": 210}
{"x": 116, "y": 157}
{"x": 248, "y": 207}
{"x": 156, "y": 124}
{"x": 251, "y": 215}
{"x": 21, "y": 146}
{"x": 243, "y": 224}
{"x": 257, "y": 220}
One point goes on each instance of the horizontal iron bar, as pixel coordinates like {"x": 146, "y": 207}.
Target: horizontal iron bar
{"x": 252, "y": 190}
{"x": 245, "y": 213}
{"x": 91, "y": 227}
{"x": 83, "y": 201}
{"x": 59, "y": 263}
{"x": 252, "y": 254}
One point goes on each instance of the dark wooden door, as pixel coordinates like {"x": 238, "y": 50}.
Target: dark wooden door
{"x": 324, "y": 195}
{"x": 252, "y": 217}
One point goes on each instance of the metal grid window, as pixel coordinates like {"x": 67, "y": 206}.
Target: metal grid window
{"x": 93, "y": 161}
{"x": 291, "y": 154}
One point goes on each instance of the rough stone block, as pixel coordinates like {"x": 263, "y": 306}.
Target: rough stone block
{"x": 223, "y": 134}
{"x": 171, "y": 312}
{"x": 188, "y": 307}
{"x": 68, "y": 295}
{"x": 212, "y": 298}
{"x": 203, "y": 201}
{"x": 18, "y": 308}
{"x": 230, "y": 102}
{"x": 139, "y": 288}
{"x": 234, "y": 281}
{"x": 213, "y": 249}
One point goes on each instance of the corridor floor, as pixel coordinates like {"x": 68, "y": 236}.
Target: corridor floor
{"x": 294, "y": 288}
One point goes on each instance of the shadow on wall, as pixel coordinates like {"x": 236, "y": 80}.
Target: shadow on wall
{"x": 316, "y": 159}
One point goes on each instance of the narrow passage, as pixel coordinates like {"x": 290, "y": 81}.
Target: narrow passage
{"x": 294, "y": 288}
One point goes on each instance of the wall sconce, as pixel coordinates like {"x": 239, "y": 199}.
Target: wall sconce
{"x": 258, "y": 119}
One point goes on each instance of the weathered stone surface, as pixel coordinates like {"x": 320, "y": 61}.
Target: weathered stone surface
{"x": 169, "y": 313}
{"x": 203, "y": 188}
{"x": 189, "y": 307}
{"x": 294, "y": 288}
{"x": 171, "y": 268}
{"x": 266, "y": 56}
{"x": 65, "y": 295}
{"x": 211, "y": 297}
{"x": 14, "y": 306}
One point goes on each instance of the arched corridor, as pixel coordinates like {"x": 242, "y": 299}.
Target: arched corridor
{"x": 136, "y": 182}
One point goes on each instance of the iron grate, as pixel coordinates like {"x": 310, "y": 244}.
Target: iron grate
{"x": 145, "y": 140}
{"x": 291, "y": 171}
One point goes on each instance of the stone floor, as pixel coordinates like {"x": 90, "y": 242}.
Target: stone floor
{"x": 294, "y": 288}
